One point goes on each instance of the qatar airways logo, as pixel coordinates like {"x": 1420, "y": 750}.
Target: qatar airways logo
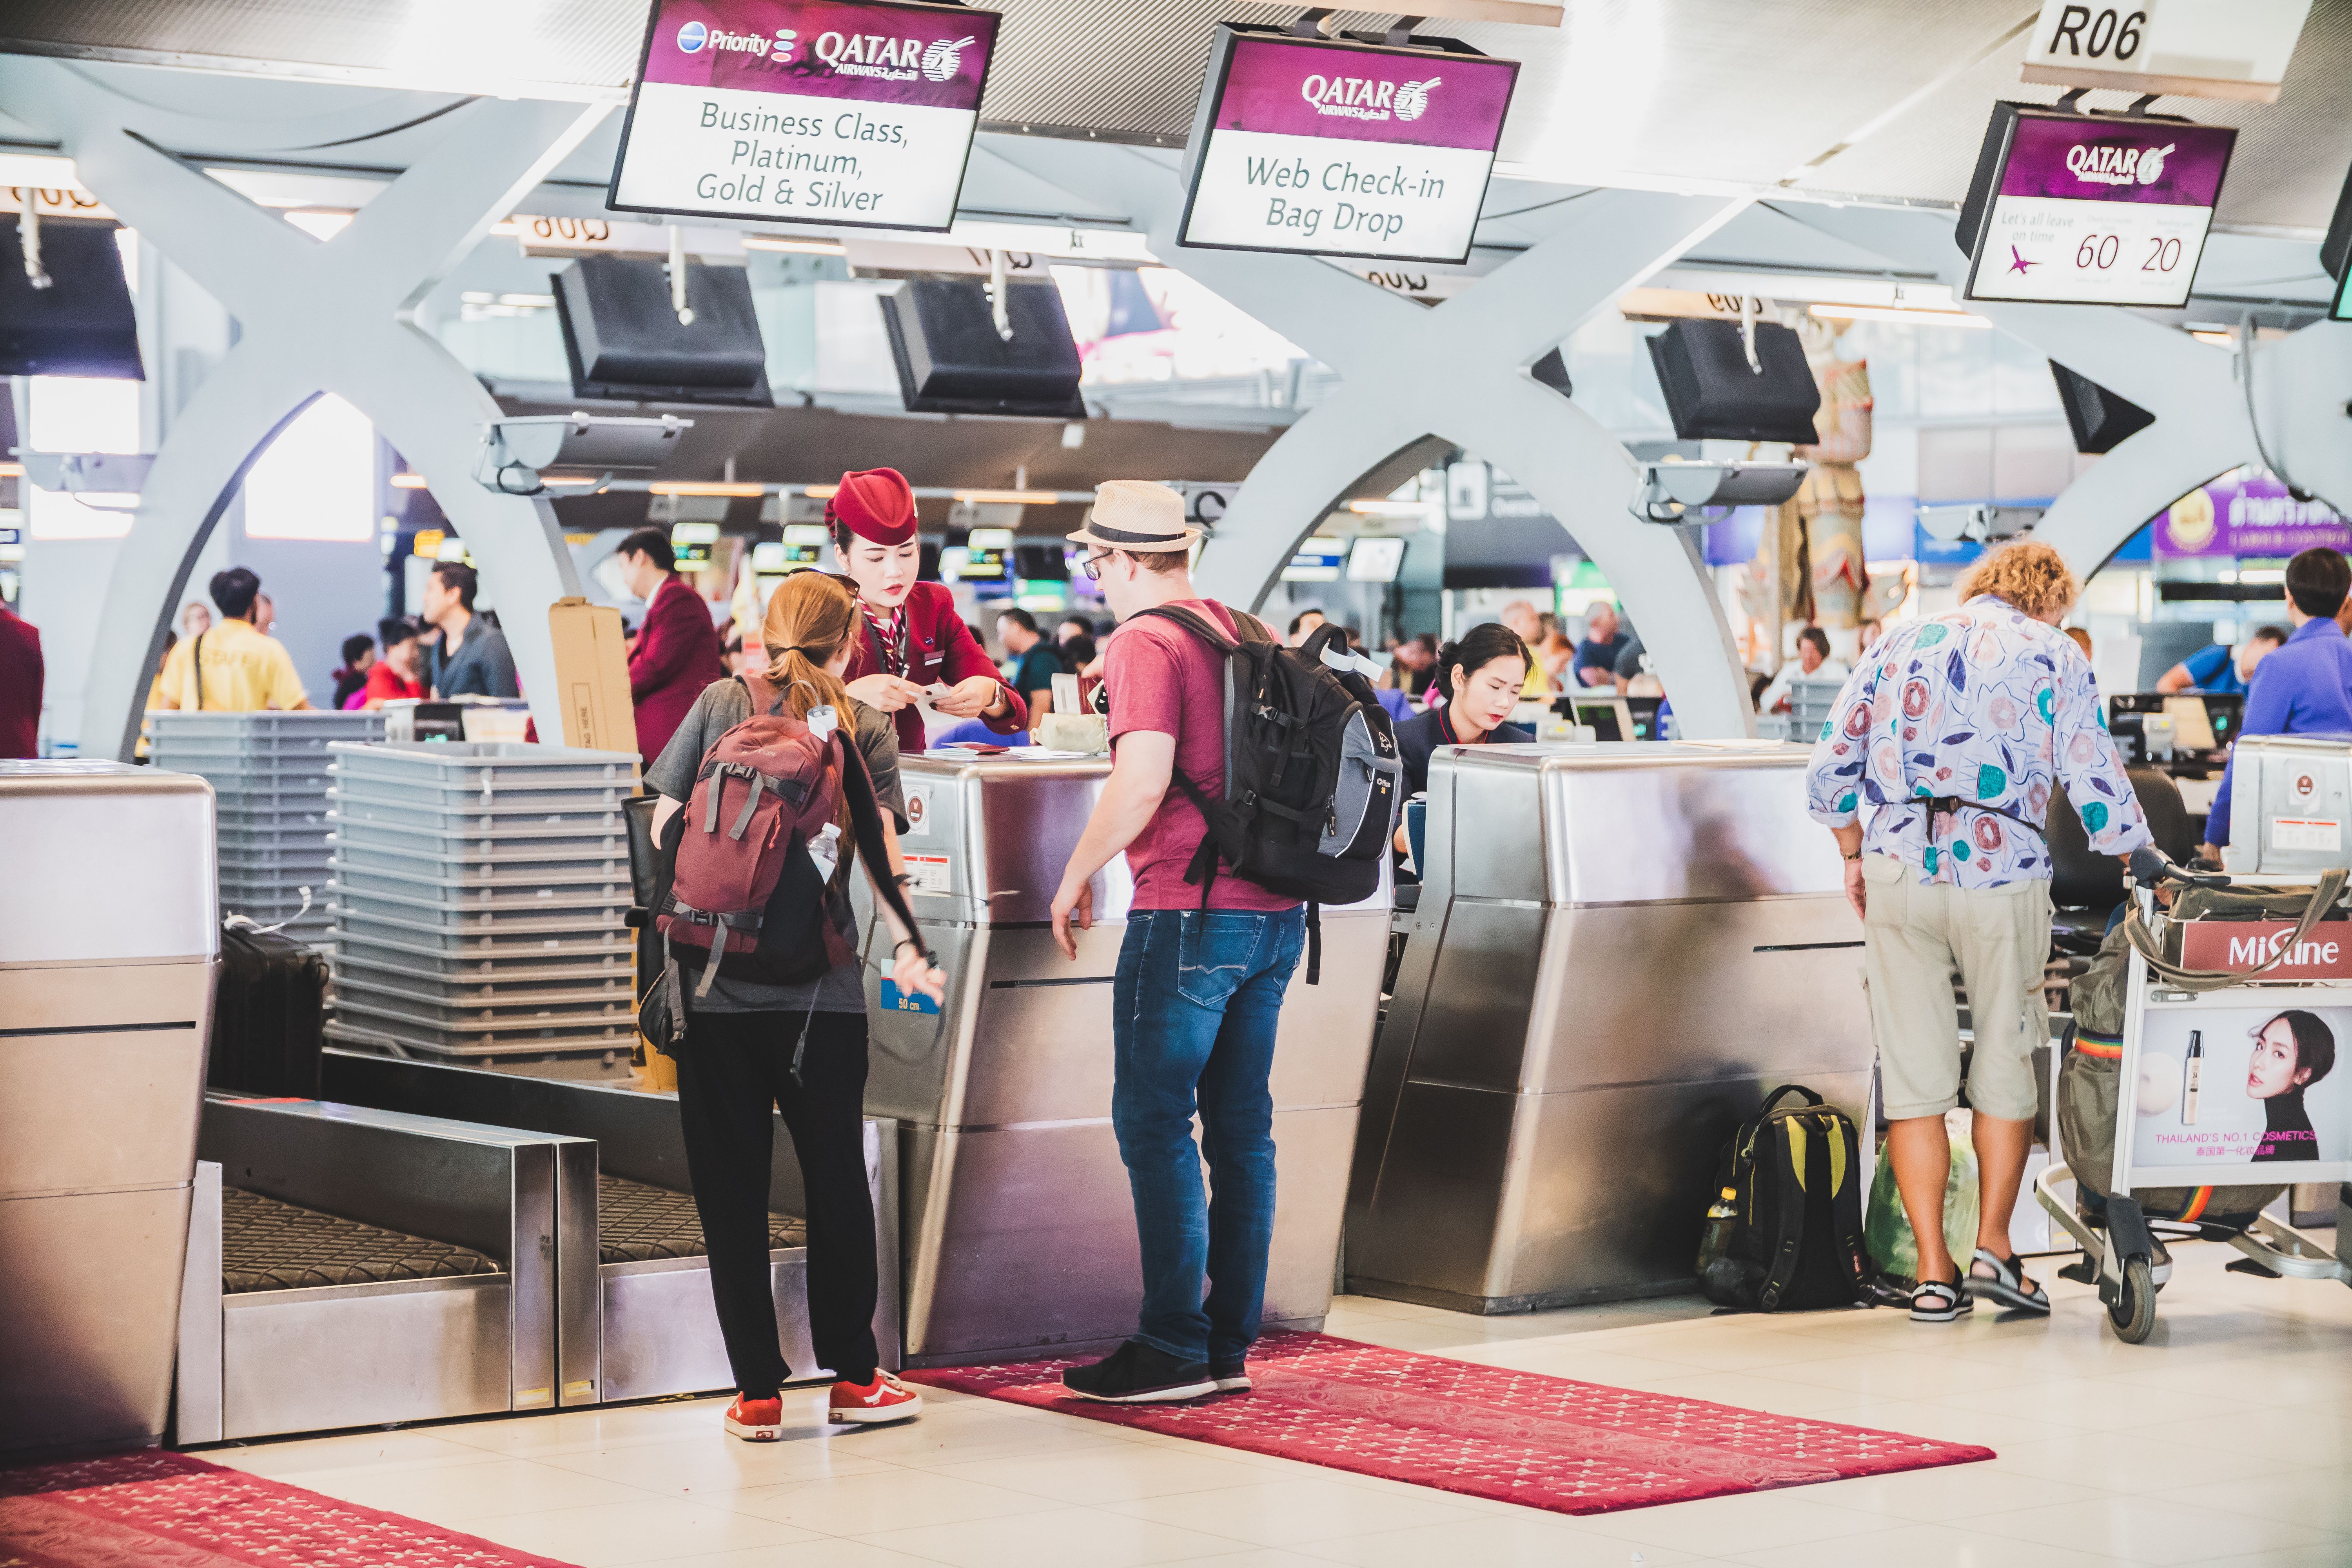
{"x": 2107, "y": 166}
{"x": 1362, "y": 98}
{"x": 892, "y": 59}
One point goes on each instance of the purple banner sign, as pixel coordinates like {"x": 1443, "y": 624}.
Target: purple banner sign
{"x": 1296, "y": 88}
{"x": 870, "y": 50}
{"x": 2081, "y": 159}
{"x": 2249, "y": 516}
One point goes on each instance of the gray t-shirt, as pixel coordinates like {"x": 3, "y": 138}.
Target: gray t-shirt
{"x": 723, "y": 705}
{"x": 482, "y": 667}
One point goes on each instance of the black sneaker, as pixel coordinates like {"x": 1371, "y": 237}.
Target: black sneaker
{"x": 1230, "y": 1377}
{"x": 1137, "y": 1374}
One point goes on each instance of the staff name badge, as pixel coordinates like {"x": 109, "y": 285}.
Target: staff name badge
{"x": 844, "y": 113}
{"x": 1328, "y": 148}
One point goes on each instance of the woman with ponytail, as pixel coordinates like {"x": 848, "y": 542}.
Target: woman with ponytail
{"x": 1480, "y": 678}
{"x": 745, "y": 1057}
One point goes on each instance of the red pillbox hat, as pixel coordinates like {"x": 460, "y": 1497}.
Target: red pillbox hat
{"x": 875, "y": 503}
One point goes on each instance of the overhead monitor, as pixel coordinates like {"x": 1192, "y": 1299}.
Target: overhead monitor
{"x": 2091, "y": 209}
{"x": 984, "y": 553}
{"x": 846, "y": 112}
{"x": 1337, "y": 148}
{"x": 1375, "y": 560}
{"x": 691, "y": 543}
{"x": 1318, "y": 561}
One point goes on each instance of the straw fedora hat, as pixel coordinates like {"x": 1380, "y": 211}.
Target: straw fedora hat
{"x": 1135, "y": 515}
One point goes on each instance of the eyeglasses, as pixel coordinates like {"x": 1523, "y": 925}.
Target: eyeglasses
{"x": 1092, "y": 564}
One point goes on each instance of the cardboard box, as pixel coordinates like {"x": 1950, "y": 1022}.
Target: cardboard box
{"x": 591, "y": 670}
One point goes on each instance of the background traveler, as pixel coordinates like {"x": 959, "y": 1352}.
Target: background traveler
{"x": 2221, "y": 668}
{"x": 358, "y": 653}
{"x": 471, "y": 658}
{"x": 1036, "y": 661}
{"x": 232, "y": 668}
{"x": 1596, "y": 656}
{"x": 1950, "y": 739}
{"x": 1302, "y": 625}
{"x": 1199, "y": 986}
{"x": 676, "y": 653}
{"x": 195, "y": 618}
{"x": 1812, "y": 661}
{"x": 1522, "y": 620}
{"x": 752, "y": 1049}
{"x": 399, "y": 674}
{"x": 2306, "y": 687}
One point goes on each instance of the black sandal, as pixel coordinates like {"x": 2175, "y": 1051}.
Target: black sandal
{"x": 2007, "y": 1283}
{"x": 1939, "y": 1302}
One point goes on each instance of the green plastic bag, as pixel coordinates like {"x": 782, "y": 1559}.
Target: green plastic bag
{"x": 1886, "y": 1229}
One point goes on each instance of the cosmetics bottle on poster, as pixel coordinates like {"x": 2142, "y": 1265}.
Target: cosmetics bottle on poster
{"x": 2189, "y": 1090}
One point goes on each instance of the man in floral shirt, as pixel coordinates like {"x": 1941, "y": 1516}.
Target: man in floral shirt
{"x": 1935, "y": 771}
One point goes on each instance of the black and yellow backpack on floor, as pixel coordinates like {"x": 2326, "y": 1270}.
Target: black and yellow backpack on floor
{"x": 1784, "y": 1231}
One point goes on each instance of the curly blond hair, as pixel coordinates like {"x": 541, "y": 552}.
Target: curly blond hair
{"x": 2029, "y": 577}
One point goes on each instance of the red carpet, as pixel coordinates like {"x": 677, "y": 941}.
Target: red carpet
{"x": 1515, "y": 1437}
{"x": 154, "y": 1510}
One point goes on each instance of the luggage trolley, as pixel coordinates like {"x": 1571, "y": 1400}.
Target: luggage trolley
{"x": 2192, "y": 1112}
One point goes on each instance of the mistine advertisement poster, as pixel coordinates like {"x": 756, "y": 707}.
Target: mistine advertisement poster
{"x": 2252, "y": 1089}
{"x": 836, "y": 111}
{"x": 1343, "y": 149}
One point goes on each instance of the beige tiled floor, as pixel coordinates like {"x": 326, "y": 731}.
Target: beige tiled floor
{"x": 2227, "y": 1439}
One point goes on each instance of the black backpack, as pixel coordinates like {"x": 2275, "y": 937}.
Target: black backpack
{"x": 1312, "y": 779}
{"x": 1784, "y": 1231}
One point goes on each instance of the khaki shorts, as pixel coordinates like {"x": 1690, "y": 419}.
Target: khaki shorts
{"x": 1999, "y": 939}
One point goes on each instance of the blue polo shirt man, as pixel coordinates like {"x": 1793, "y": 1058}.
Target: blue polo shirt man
{"x": 2304, "y": 688}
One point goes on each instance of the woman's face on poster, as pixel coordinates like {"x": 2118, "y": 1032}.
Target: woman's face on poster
{"x": 2273, "y": 1069}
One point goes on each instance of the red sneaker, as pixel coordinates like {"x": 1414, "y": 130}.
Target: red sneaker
{"x": 884, "y": 1399}
{"x": 756, "y": 1420}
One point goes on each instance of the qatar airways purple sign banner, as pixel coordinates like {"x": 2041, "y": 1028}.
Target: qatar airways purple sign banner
{"x": 857, "y": 112}
{"x": 1342, "y": 149}
{"x": 2101, "y": 211}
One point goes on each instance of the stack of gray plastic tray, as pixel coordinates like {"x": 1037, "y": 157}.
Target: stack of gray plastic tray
{"x": 481, "y": 890}
{"x": 268, "y": 773}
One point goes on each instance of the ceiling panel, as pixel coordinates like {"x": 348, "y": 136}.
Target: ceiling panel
{"x": 1865, "y": 98}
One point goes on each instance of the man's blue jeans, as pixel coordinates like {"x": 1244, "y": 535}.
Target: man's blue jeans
{"x": 1195, "y": 1006}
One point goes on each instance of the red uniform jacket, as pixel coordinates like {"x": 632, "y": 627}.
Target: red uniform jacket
{"x": 939, "y": 649}
{"x": 20, "y": 687}
{"x": 677, "y": 654}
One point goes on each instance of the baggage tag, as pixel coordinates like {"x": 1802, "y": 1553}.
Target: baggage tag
{"x": 897, "y": 1001}
{"x": 1065, "y": 694}
{"x": 822, "y": 722}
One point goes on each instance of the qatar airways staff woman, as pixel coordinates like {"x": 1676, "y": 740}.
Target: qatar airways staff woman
{"x": 910, "y": 636}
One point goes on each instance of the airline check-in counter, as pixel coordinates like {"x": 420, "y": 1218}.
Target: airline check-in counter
{"x": 110, "y": 927}
{"x": 1018, "y": 1228}
{"x": 1617, "y": 952}
{"x": 633, "y": 1297}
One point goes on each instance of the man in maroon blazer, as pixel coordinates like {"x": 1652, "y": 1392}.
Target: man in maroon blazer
{"x": 677, "y": 650}
{"x": 911, "y": 637}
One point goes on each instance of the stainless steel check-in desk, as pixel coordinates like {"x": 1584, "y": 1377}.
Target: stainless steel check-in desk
{"x": 109, "y": 926}
{"x": 1018, "y": 1229}
{"x": 1617, "y": 950}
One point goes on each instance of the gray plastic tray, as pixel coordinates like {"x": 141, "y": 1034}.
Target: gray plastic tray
{"x": 461, "y": 863}
{"x": 552, "y": 915}
{"x": 492, "y": 890}
{"x": 487, "y": 767}
{"x": 391, "y": 996}
{"x": 471, "y": 842}
{"x": 333, "y": 726}
{"x": 504, "y": 1034}
{"x": 433, "y": 967}
{"x": 606, "y": 1061}
{"x": 358, "y": 805}
{"x": 534, "y": 939}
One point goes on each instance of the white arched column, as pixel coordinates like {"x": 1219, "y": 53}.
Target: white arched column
{"x": 1460, "y": 372}
{"x": 2301, "y": 386}
{"x": 313, "y": 318}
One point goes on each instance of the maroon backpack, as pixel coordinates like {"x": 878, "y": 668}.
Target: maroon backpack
{"x": 746, "y": 898}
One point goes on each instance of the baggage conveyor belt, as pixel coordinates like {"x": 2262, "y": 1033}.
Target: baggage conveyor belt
{"x": 635, "y": 1223}
{"x": 267, "y": 1245}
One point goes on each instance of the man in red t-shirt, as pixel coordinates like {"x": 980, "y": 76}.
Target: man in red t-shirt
{"x": 1199, "y": 981}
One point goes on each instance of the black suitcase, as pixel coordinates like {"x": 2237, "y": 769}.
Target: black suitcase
{"x": 269, "y": 1015}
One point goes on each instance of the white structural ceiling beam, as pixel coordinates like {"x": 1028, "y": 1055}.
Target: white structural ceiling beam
{"x": 2301, "y": 386}
{"x": 313, "y": 318}
{"x": 1458, "y": 371}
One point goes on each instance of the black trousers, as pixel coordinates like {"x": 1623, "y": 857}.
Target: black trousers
{"x": 733, "y": 1070}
